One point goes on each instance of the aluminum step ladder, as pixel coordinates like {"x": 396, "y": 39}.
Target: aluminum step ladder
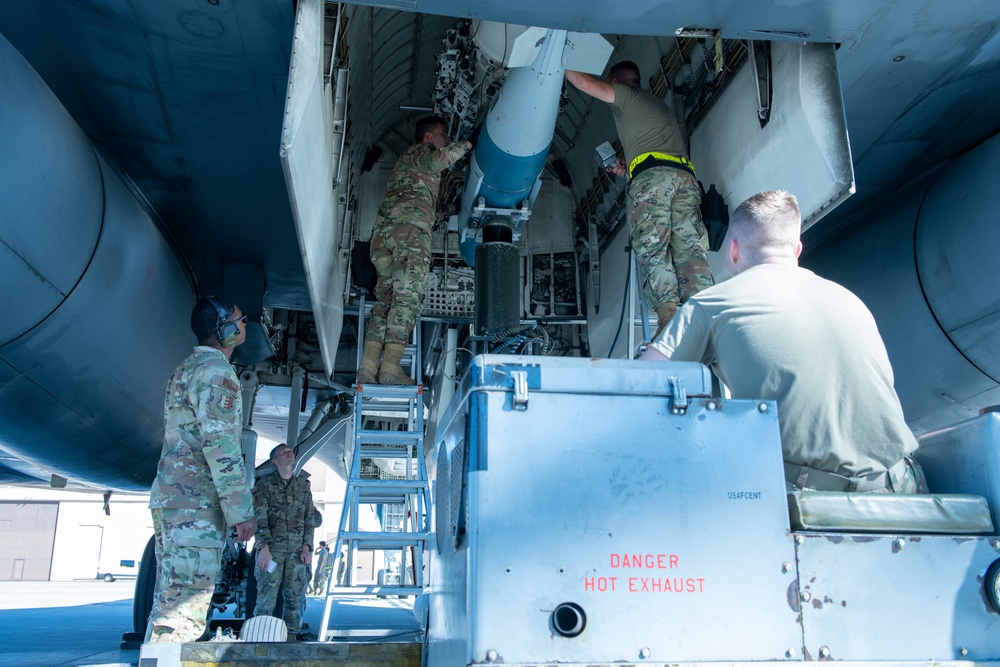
{"x": 388, "y": 429}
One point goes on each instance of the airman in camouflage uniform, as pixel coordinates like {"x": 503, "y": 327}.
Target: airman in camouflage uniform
{"x": 324, "y": 566}
{"x": 401, "y": 248}
{"x": 286, "y": 519}
{"x": 669, "y": 237}
{"x": 665, "y": 226}
{"x": 201, "y": 482}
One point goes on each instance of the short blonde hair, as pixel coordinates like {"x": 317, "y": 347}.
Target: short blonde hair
{"x": 767, "y": 224}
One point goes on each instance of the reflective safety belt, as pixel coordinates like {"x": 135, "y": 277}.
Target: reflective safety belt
{"x": 801, "y": 477}
{"x": 647, "y": 160}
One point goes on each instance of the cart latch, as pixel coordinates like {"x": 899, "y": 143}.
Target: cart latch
{"x": 679, "y": 401}
{"x": 520, "y": 379}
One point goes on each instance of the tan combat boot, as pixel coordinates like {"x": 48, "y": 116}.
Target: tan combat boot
{"x": 390, "y": 372}
{"x": 368, "y": 370}
{"x": 664, "y": 312}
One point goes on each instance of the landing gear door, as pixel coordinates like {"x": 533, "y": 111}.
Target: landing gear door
{"x": 779, "y": 125}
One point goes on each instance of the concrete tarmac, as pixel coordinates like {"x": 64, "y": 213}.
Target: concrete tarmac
{"x": 55, "y": 623}
{"x": 80, "y": 623}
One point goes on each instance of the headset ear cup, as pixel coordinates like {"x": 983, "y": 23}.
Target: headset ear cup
{"x": 228, "y": 333}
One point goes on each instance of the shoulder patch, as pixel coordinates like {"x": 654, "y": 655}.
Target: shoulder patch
{"x": 230, "y": 385}
{"x": 223, "y": 404}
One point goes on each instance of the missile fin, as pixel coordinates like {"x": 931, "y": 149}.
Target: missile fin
{"x": 586, "y": 52}
{"x": 526, "y": 47}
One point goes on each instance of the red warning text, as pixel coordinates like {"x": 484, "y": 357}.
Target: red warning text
{"x": 600, "y": 584}
{"x": 666, "y": 585}
{"x": 647, "y": 561}
{"x": 649, "y": 581}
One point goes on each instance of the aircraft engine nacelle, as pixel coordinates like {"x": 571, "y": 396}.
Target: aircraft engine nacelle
{"x": 925, "y": 266}
{"x": 96, "y": 303}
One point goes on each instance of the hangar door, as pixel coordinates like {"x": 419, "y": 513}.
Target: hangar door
{"x": 27, "y": 533}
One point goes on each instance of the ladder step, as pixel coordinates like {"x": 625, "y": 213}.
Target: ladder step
{"x": 384, "y": 540}
{"x": 383, "y": 499}
{"x": 389, "y": 437}
{"x": 382, "y": 411}
{"x": 390, "y": 485}
{"x": 374, "y": 452}
{"x": 391, "y": 390}
{"x": 376, "y": 590}
{"x": 386, "y": 403}
{"x": 398, "y": 536}
{"x": 372, "y": 396}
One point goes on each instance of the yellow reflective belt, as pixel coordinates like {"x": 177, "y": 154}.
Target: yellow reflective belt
{"x": 682, "y": 161}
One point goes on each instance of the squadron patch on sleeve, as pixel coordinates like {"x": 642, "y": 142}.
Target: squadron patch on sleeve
{"x": 223, "y": 404}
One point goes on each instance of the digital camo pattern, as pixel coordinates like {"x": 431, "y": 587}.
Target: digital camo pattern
{"x": 401, "y": 240}
{"x": 188, "y": 551}
{"x": 401, "y": 254}
{"x": 201, "y": 465}
{"x": 286, "y": 516}
{"x": 668, "y": 235}
{"x": 910, "y": 480}
{"x": 286, "y": 520}
{"x": 324, "y": 565}
{"x": 412, "y": 191}
{"x": 293, "y": 574}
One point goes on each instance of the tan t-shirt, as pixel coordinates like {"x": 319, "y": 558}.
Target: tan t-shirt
{"x": 645, "y": 124}
{"x": 783, "y": 333}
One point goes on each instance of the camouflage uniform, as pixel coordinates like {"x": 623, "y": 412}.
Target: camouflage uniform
{"x": 200, "y": 487}
{"x": 668, "y": 235}
{"x": 323, "y": 568}
{"x": 285, "y": 522}
{"x": 665, "y": 225}
{"x": 401, "y": 241}
{"x": 909, "y": 480}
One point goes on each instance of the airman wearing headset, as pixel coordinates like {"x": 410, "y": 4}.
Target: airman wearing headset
{"x": 201, "y": 486}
